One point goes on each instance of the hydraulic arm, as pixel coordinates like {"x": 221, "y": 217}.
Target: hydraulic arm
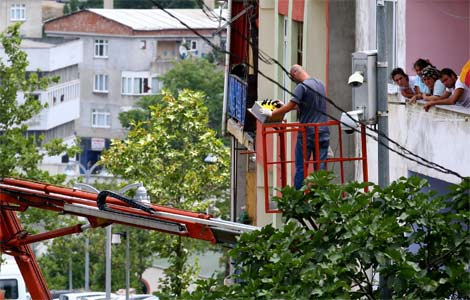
{"x": 102, "y": 209}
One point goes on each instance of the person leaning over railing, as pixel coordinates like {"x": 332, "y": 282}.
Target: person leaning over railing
{"x": 456, "y": 91}
{"x": 406, "y": 84}
{"x": 418, "y": 66}
{"x": 437, "y": 89}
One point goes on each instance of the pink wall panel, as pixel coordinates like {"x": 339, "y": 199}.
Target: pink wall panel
{"x": 438, "y": 30}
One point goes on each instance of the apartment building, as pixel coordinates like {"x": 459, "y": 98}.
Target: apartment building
{"x": 52, "y": 57}
{"x": 124, "y": 51}
{"x": 319, "y": 35}
{"x": 28, "y": 12}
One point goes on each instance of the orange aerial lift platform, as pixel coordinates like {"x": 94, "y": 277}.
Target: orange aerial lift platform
{"x": 105, "y": 208}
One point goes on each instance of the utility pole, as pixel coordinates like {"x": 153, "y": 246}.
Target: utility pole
{"x": 382, "y": 115}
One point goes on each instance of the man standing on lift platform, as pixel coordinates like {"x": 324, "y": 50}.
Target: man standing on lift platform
{"x": 310, "y": 101}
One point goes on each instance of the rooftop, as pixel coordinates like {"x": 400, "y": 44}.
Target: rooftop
{"x": 48, "y": 42}
{"x": 156, "y": 19}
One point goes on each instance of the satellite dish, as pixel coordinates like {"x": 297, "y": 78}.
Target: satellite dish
{"x": 183, "y": 51}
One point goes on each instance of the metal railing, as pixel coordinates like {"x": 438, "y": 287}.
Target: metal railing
{"x": 283, "y": 162}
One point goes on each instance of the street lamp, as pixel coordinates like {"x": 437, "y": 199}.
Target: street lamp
{"x": 116, "y": 239}
{"x": 141, "y": 195}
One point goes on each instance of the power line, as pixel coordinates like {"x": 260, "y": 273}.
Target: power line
{"x": 424, "y": 162}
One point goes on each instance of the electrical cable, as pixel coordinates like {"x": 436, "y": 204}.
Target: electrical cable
{"x": 424, "y": 162}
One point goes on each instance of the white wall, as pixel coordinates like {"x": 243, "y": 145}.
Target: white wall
{"x": 440, "y": 135}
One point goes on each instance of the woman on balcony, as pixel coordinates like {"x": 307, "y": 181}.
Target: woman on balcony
{"x": 437, "y": 89}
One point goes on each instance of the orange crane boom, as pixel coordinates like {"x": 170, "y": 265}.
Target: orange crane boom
{"x": 102, "y": 209}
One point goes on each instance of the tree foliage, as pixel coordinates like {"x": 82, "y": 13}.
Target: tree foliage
{"x": 339, "y": 238}
{"x": 166, "y": 153}
{"x": 20, "y": 152}
{"x": 195, "y": 74}
{"x": 60, "y": 251}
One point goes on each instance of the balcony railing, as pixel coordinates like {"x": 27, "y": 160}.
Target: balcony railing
{"x": 237, "y": 98}
{"x": 63, "y": 106}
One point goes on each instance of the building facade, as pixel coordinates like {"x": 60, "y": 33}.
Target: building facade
{"x": 124, "y": 52}
{"x": 320, "y": 36}
{"x": 441, "y": 134}
{"x": 28, "y": 12}
{"x": 60, "y": 58}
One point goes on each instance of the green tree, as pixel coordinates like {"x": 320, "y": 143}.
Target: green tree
{"x": 20, "y": 152}
{"x": 166, "y": 153}
{"x": 193, "y": 74}
{"x": 338, "y": 238}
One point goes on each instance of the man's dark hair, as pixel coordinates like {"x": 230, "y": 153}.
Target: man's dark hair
{"x": 448, "y": 72}
{"x": 422, "y": 63}
{"x": 398, "y": 71}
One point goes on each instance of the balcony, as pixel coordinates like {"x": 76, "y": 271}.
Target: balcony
{"x": 63, "y": 106}
{"x": 237, "y": 107}
{"x": 440, "y": 135}
{"x": 237, "y": 99}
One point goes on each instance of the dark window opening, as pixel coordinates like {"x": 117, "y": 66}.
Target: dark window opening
{"x": 300, "y": 37}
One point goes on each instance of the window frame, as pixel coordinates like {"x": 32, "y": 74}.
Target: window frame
{"x": 196, "y": 44}
{"x": 391, "y": 27}
{"x": 128, "y": 84}
{"x": 105, "y": 82}
{"x": 16, "y": 10}
{"x": 101, "y": 45}
{"x": 96, "y": 114}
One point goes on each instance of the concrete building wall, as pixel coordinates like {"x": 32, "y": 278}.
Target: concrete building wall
{"x": 51, "y": 58}
{"x": 341, "y": 39}
{"x": 438, "y": 31}
{"x": 266, "y": 90}
{"x": 124, "y": 54}
{"x": 439, "y": 135}
{"x": 32, "y": 24}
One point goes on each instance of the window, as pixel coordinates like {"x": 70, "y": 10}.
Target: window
{"x": 126, "y": 85}
{"x": 100, "y": 119}
{"x": 193, "y": 45}
{"x": 101, "y": 83}
{"x": 156, "y": 85}
{"x": 18, "y": 12}
{"x": 101, "y": 48}
{"x": 10, "y": 286}
{"x": 391, "y": 31}
{"x": 300, "y": 37}
{"x": 135, "y": 84}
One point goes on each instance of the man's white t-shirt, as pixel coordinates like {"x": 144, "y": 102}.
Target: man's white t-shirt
{"x": 464, "y": 99}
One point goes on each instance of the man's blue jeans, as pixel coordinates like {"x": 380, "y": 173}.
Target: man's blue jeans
{"x": 299, "y": 157}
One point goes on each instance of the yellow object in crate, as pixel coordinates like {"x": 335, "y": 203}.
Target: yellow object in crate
{"x": 266, "y": 104}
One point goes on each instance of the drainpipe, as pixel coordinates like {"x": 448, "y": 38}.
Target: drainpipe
{"x": 227, "y": 68}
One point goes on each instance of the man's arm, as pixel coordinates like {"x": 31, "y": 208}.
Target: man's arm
{"x": 445, "y": 95}
{"x": 406, "y": 94}
{"x": 285, "y": 108}
{"x": 446, "y": 101}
